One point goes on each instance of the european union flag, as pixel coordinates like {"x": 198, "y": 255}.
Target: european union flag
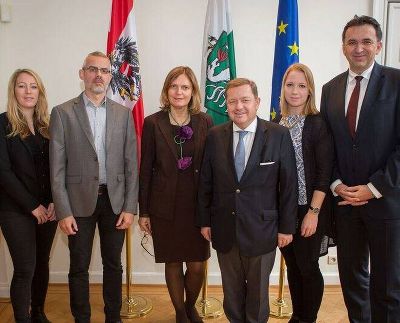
{"x": 286, "y": 49}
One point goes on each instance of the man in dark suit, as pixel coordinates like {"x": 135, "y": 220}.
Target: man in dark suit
{"x": 247, "y": 201}
{"x": 93, "y": 166}
{"x": 362, "y": 108}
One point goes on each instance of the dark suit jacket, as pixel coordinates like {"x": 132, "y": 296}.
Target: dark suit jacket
{"x": 18, "y": 181}
{"x": 251, "y": 212}
{"x": 374, "y": 154}
{"x": 158, "y": 167}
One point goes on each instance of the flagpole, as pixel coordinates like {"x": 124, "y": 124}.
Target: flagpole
{"x": 133, "y": 305}
{"x": 281, "y": 308}
{"x": 208, "y": 307}
{"x": 4, "y": 299}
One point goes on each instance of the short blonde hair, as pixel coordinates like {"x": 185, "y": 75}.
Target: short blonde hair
{"x": 242, "y": 81}
{"x": 19, "y": 125}
{"x": 195, "y": 102}
{"x": 310, "y": 107}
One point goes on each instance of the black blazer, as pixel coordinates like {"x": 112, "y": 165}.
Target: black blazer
{"x": 251, "y": 212}
{"x": 318, "y": 156}
{"x": 374, "y": 154}
{"x": 18, "y": 180}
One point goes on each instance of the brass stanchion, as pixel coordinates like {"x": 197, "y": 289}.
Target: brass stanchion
{"x": 208, "y": 307}
{"x": 281, "y": 308}
{"x": 4, "y": 299}
{"x": 133, "y": 305}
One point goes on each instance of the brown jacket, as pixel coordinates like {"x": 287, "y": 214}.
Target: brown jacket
{"x": 158, "y": 167}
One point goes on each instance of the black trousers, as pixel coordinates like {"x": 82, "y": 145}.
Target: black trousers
{"x": 29, "y": 244}
{"x": 369, "y": 265}
{"x": 80, "y": 247}
{"x": 305, "y": 279}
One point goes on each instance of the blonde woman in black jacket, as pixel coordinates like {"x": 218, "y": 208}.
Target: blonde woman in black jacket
{"x": 314, "y": 159}
{"x": 27, "y": 216}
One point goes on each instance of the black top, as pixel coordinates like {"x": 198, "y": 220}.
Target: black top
{"x": 22, "y": 166}
{"x": 39, "y": 149}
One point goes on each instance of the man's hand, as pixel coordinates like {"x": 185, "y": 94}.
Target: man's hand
{"x": 354, "y": 195}
{"x": 68, "y": 225}
{"x": 51, "y": 214}
{"x": 206, "y": 233}
{"x": 309, "y": 224}
{"x": 124, "y": 221}
{"x": 284, "y": 239}
{"x": 144, "y": 224}
{"x": 40, "y": 213}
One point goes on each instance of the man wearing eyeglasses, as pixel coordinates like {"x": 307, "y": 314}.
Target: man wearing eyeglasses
{"x": 94, "y": 181}
{"x": 362, "y": 108}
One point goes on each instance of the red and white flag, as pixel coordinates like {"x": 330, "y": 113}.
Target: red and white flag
{"x": 125, "y": 87}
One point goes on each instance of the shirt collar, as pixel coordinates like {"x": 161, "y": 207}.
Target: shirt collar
{"x": 252, "y": 127}
{"x": 89, "y": 103}
{"x": 366, "y": 74}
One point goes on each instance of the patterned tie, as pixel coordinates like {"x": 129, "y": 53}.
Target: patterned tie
{"x": 240, "y": 155}
{"x": 353, "y": 105}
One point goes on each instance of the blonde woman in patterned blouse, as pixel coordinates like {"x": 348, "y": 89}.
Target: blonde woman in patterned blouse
{"x": 314, "y": 158}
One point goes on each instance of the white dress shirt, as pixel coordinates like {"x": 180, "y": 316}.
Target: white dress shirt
{"x": 248, "y": 139}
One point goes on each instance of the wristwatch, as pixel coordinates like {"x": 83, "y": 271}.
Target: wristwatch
{"x": 315, "y": 210}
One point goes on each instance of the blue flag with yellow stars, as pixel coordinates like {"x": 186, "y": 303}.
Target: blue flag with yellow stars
{"x": 286, "y": 49}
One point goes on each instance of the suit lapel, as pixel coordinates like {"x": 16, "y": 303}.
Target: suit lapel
{"x": 110, "y": 120}
{"x": 341, "y": 103}
{"x": 227, "y": 141}
{"x": 165, "y": 128}
{"x": 83, "y": 119}
{"x": 258, "y": 143}
{"x": 373, "y": 89}
{"x": 197, "y": 134}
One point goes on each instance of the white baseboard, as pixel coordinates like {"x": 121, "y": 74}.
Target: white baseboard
{"x": 4, "y": 290}
{"x": 214, "y": 278}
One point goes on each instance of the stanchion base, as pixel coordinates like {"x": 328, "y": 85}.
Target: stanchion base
{"x": 4, "y": 300}
{"x": 209, "y": 307}
{"x": 280, "y": 308}
{"x": 135, "y": 306}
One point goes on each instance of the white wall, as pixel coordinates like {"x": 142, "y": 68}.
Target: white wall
{"x": 53, "y": 37}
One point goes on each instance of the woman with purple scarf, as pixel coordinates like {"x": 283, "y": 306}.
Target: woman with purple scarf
{"x": 172, "y": 150}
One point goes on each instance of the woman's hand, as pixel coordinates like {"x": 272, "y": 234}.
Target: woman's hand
{"x": 40, "y": 213}
{"x": 144, "y": 224}
{"x": 309, "y": 224}
{"x": 51, "y": 214}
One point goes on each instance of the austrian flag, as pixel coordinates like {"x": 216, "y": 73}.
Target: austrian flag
{"x": 125, "y": 87}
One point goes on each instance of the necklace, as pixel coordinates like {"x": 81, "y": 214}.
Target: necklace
{"x": 176, "y": 122}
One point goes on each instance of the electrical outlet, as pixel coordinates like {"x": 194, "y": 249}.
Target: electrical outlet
{"x": 332, "y": 260}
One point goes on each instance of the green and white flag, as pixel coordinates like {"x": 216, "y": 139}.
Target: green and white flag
{"x": 218, "y": 66}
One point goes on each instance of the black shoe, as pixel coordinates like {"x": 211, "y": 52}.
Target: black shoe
{"x": 38, "y": 315}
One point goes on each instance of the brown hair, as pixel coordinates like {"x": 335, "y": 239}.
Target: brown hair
{"x": 242, "y": 81}
{"x": 194, "y": 103}
{"x": 16, "y": 118}
{"x": 309, "y": 107}
{"x": 361, "y": 21}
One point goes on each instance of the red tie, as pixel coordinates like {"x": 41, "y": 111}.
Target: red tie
{"x": 353, "y": 105}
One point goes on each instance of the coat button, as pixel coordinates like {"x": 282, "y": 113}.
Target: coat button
{"x": 96, "y": 178}
{"x": 237, "y": 191}
{"x": 196, "y": 170}
{"x": 233, "y": 213}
